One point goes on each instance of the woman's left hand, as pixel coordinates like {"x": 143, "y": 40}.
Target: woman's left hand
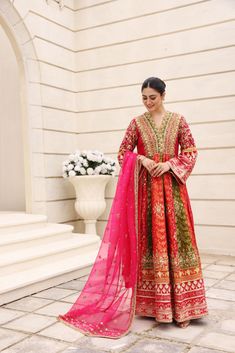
{"x": 159, "y": 169}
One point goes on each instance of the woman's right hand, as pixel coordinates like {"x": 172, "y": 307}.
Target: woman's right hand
{"x": 149, "y": 164}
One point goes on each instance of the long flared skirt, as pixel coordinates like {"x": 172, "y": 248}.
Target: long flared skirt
{"x": 170, "y": 284}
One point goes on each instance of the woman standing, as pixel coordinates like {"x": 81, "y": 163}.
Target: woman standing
{"x": 170, "y": 285}
{"x": 148, "y": 262}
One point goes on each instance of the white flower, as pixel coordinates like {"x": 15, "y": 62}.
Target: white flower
{"x": 71, "y": 157}
{"x": 70, "y": 167}
{"x": 98, "y": 169}
{"x": 72, "y": 173}
{"x": 98, "y": 153}
{"x": 82, "y": 170}
{"x": 80, "y": 159}
{"x": 92, "y": 157}
{"x": 66, "y": 162}
{"x": 89, "y": 156}
{"x": 78, "y": 167}
{"x": 90, "y": 171}
{"x": 85, "y": 163}
{"x": 80, "y": 162}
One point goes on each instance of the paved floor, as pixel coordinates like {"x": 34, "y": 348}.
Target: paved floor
{"x": 29, "y": 325}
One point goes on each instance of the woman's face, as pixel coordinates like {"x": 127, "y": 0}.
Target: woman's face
{"x": 152, "y": 99}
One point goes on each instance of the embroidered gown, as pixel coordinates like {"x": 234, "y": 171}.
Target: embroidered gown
{"x": 170, "y": 284}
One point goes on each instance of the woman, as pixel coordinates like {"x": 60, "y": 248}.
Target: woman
{"x": 170, "y": 284}
{"x": 148, "y": 262}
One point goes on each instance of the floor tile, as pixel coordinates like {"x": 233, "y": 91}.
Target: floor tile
{"x": 230, "y": 285}
{"x": 218, "y": 340}
{"x": 84, "y": 278}
{"x": 30, "y": 323}
{"x": 141, "y": 324}
{"x": 83, "y": 350}
{"x": 219, "y": 304}
{"x": 71, "y": 298}
{"x": 209, "y": 282}
{"x": 77, "y": 285}
{"x": 214, "y": 274}
{"x": 171, "y": 331}
{"x": 221, "y": 268}
{"x": 107, "y": 344}
{"x": 36, "y": 344}
{"x": 204, "y": 265}
{"x": 28, "y": 304}
{"x": 54, "y": 293}
{"x": 231, "y": 277}
{"x": 228, "y": 325}
{"x": 208, "y": 258}
{"x": 202, "y": 350}
{"x": 221, "y": 294}
{"x": 227, "y": 260}
{"x": 8, "y": 315}
{"x": 9, "y": 337}
{"x": 156, "y": 346}
{"x": 54, "y": 309}
{"x": 62, "y": 332}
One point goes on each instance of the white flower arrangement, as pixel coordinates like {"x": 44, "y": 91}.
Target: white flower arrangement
{"x": 88, "y": 162}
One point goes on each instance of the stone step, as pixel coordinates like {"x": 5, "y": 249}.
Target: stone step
{"x": 43, "y": 276}
{"x": 33, "y": 237}
{"x": 18, "y": 221}
{"x": 32, "y": 256}
{"x": 35, "y": 254}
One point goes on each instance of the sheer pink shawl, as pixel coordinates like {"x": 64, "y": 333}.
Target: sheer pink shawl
{"x": 106, "y": 305}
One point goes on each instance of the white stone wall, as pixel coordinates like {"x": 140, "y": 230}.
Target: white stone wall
{"x": 84, "y": 66}
{"x": 43, "y": 36}
{"x": 187, "y": 43}
{"x": 12, "y": 182}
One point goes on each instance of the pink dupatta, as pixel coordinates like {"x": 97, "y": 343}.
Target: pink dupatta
{"x": 106, "y": 305}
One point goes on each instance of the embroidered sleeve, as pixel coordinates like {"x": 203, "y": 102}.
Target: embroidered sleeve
{"x": 129, "y": 141}
{"x": 182, "y": 165}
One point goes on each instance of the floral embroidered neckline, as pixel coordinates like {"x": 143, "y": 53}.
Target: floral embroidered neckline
{"x": 154, "y": 125}
{"x": 159, "y": 131}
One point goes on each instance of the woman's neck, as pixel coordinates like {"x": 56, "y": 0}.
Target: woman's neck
{"x": 158, "y": 113}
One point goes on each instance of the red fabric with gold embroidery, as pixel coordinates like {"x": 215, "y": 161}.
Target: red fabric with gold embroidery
{"x": 170, "y": 284}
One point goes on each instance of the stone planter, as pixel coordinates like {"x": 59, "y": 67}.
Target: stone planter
{"x": 90, "y": 198}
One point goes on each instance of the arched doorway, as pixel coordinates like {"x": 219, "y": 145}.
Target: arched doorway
{"x": 12, "y": 178}
{"x": 19, "y": 161}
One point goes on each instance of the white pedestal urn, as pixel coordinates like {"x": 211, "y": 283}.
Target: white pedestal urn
{"x": 90, "y": 198}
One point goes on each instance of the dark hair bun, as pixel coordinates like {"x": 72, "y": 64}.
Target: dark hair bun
{"x": 155, "y": 83}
